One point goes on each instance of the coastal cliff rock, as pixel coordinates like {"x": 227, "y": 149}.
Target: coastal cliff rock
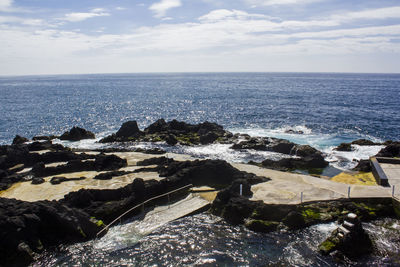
{"x": 27, "y": 228}
{"x": 77, "y": 134}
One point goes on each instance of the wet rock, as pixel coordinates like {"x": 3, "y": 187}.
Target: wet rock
{"x": 349, "y": 239}
{"x": 76, "y": 134}
{"x": 365, "y": 142}
{"x": 344, "y": 147}
{"x": 391, "y": 151}
{"x": 363, "y": 165}
{"x": 283, "y": 146}
{"x": 292, "y": 131}
{"x": 19, "y": 140}
{"x": 262, "y": 226}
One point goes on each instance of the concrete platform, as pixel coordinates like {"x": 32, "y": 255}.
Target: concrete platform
{"x": 286, "y": 188}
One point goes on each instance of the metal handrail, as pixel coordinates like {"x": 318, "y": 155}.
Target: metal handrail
{"x": 141, "y": 204}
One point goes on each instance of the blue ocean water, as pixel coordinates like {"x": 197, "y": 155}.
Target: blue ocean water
{"x": 329, "y": 107}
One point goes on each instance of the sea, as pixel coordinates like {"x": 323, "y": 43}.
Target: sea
{"x": 318, "y": 109}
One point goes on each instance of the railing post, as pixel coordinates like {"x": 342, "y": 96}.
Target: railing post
{"x": 241, "y": 189}
{"x": 348, "y": 192}
{"x": 393, "y": 188}
{"x": 168, "y": 202}
{"x": 301, "y": 197}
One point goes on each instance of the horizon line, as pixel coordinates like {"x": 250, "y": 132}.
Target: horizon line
{"x": 193, "y": 72}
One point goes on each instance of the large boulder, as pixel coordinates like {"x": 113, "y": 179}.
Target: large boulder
{"x": 19, "y": 140}
{"x": 391, "y": 151}
{"x": 156, "y": 127}
{"x": 128, "y": 129}
{"x": 76, "y": 134}
{"x": 27, "y": 228}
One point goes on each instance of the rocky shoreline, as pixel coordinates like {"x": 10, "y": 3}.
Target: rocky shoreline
{"x": 30, "y": 227}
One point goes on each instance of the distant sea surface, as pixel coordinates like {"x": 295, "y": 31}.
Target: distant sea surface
{"x": 329, "y": 108}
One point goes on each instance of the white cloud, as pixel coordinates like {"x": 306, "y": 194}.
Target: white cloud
{"x": 379, "y": 13}
{"x": 161, "y": 8}
{"x": 228, "y": 38}
{"x": 224, "y": 14}
{"x": 80, "y": 16}
{"x": 280, "y": 2}
{"x": 5, "y": 4}
{"x": 18, "y": 20}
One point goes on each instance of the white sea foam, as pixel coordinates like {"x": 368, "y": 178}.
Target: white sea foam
{"x": 349, "y": 159}
{"x": 223, "y": 151}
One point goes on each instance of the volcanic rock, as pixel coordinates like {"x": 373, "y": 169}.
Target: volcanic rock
{"x": 76, "y": 134}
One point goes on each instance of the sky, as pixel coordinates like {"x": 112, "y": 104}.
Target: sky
{"x": 128, "y": 36}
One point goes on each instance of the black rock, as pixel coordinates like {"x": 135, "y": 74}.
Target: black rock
{"x": 37, "y": 180}
{"x": 27, "y": 228}
{"x": 363, "y": 165}
{"x": 157, "y": 127}
{"x": 391, "y": 151}
{"x": 344, "y": 147}
{"x": 19, "y": 140}
{"x": 128, "y": 129}
{"x": 76, "y": 134}
{"x": 171, "y": 140}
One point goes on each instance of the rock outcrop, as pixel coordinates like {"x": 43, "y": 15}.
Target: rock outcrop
{"x": 391, "y": 151}
{"x": 77, "y": 134}
{"x": 171, "y": 132}
{"x": 27, "y": 228}
{"x": 19, "y": 140}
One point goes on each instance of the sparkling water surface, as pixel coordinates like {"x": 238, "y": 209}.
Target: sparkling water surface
{"x": 330, "y": 107}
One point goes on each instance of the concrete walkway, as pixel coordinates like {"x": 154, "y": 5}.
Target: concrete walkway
{"x": 286, "y": 188}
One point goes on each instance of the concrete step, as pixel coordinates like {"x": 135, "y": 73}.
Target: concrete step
{"x": 348, "y": 225}
{"x": 343, "y": 230}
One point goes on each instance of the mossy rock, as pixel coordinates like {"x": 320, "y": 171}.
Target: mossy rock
{"x": 327, "y": 247}
{"x": 262, "y": 226}
{"x": 311, "y": 214}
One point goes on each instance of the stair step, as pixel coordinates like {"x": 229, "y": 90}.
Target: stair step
{"x": 343, "y": 230}
{"x": 348, "y": 225}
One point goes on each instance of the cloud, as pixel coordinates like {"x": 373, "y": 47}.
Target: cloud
{"x": 280, "y": 2}
{"x": 161, "y": 8}
{"x": 379, "y": 13}
{"x": 5, "y": 4}
{"x": 18, "y": 20}
{"x": 223, "y": 35}
{"x": 80, "y": 16}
